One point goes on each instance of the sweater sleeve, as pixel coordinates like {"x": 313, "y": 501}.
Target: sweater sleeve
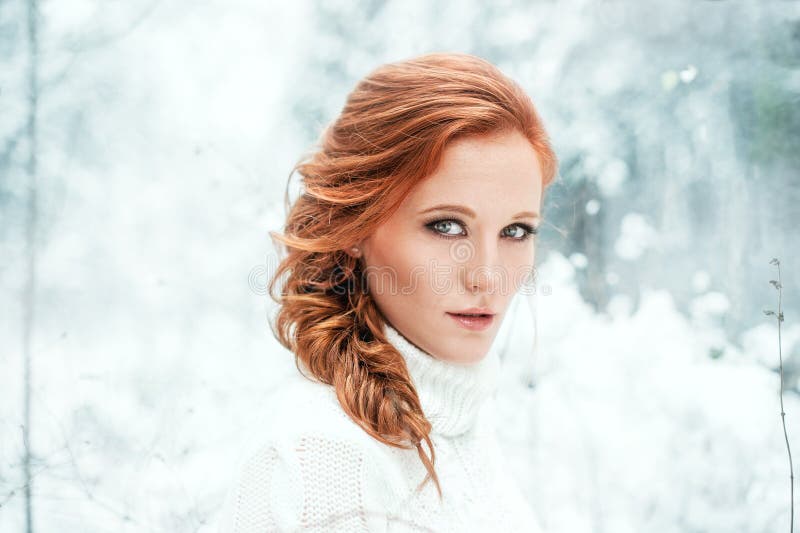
{"x": 306, "y": 483}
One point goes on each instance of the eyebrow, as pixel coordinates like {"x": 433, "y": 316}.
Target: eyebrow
{"x": 470, "y": 213}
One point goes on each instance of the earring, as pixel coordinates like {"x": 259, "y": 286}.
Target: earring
{"x": 355, "y": 250}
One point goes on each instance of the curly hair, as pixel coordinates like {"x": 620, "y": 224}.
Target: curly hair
{"x": 391, "y": 134}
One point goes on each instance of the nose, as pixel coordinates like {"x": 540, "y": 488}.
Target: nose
{"x": 483, "y": 270}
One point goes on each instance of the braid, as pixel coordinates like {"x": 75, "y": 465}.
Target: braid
{"x": 338, "y": 335}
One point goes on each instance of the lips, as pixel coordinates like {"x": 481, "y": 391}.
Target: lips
{"x": 472, "y": 320}
{"x": 474, "y": 311}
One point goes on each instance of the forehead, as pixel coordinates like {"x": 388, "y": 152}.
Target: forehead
{"x": 497, "y": 173}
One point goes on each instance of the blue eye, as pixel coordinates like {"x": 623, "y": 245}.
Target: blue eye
{"x": 451, "y": 228}
{"x": 524, "y": 231}
{"x": 443, "y": 227}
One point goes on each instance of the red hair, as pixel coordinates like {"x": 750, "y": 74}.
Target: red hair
{"x": 391, "y": 133}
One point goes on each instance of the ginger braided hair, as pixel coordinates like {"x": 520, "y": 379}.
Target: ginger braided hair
{"x": 391, "y": 133}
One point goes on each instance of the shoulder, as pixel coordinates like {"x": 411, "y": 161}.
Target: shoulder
{"x": 303, "y": 407}
{"x": 303, "y": 417}
{"x": 307, "y": 463}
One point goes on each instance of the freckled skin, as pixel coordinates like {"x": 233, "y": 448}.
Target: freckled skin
{"x": 415, "y": 275}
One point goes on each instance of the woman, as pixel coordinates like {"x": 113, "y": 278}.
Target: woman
{"x": 413, "y": 232}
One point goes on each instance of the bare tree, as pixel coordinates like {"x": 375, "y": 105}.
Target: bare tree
{"x": 28, "y": 294}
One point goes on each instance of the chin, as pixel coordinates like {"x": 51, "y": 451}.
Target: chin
{"x": 475, "y": 350}
{"x": 478, "y": 357}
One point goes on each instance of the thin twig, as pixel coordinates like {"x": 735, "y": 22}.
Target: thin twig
{"x": 779, "y": 317}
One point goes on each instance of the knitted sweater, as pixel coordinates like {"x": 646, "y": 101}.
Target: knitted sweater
{"x": 313, "y": 469}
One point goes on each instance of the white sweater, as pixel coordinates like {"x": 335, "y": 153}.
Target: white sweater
{"x": 313, "y": 469}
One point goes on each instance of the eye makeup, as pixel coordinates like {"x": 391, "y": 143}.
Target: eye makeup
{"x": 527, "y": 229}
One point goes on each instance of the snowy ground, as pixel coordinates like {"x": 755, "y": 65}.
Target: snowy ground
{"x": 630, "y": 426}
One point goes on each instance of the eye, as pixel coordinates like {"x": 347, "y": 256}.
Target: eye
{"x": 451, "y": 228}
{"x": 521, "y": 232}
{"x": 445, "y": 228}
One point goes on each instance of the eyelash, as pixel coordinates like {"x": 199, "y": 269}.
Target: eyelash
{"x": 527, "y": 228}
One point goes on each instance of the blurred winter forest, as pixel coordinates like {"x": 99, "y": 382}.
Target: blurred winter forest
{"x": 144, "y": 151}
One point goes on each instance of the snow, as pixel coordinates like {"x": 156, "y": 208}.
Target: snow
{"x": 635, "y": 237}
{"x": 631, "y": 426}
{"x": 167, "y": 135}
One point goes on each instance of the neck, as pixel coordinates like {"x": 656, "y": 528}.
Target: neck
{"x": 451, "y": 394}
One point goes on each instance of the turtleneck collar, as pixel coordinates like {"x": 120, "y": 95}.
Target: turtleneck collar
{"x": 451, "y": 394}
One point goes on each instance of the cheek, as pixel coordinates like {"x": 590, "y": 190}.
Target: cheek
{"x": 419, "y": 264}
{"x": 519, "y": 267}
{"x": 401, "y": 266}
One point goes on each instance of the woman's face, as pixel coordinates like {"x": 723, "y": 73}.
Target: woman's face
{"x": 430, "y": 260}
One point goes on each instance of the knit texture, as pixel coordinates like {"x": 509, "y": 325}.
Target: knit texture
{"x": 309, "y": 467}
